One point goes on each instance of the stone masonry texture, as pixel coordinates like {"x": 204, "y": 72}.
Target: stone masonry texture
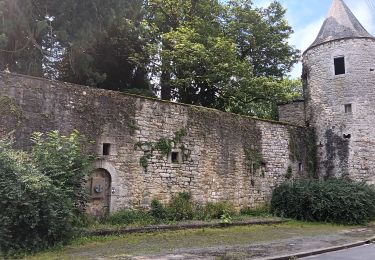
{"x": 220, "y": 156}
{"x": 293, "y": 112}
{"x": 345, "y": 139}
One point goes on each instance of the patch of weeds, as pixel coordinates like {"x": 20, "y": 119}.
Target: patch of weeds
{"x": 127, "y": 217}
{"x": 262, "y": 211}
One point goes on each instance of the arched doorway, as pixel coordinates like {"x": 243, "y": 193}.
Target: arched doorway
{"x": 100, "y": 193}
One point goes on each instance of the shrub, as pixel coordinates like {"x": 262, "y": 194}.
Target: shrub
{"x": 215, "y": 210}
{"x": 61, "y": 158}
{"x": 126, "y": 217}
{"x": 34, "y": 213}
{"x": 40, "y": 202}
{"x": 336, "y": 200}
{"x": 158, "y": 210}
{"x": 181, "y": 207}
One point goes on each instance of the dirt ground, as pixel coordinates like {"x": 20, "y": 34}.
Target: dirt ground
{"x": 246, "y": 242}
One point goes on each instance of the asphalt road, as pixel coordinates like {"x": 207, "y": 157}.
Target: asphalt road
{"x": 366, "y": 252}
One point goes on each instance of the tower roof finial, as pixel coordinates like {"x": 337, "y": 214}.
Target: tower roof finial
{"x": 340, "y": 24}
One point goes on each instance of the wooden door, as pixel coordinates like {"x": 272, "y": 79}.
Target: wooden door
{"x": 100, "y": 193}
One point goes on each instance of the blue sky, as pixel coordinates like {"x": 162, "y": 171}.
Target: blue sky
{"x": 307, "y": 16}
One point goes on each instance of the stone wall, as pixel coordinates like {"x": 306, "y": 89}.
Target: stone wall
{"x": 345, "y": 139}
{"x": 215, "y": 155}
{"x": 293, "y": 112}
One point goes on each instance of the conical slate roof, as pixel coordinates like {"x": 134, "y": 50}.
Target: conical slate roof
{"x": 340, "y": 24}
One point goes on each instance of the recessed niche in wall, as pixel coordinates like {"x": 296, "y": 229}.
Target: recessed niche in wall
{"x": 348, "y": 136}
{"x": 106, "y": 149}
{"x": 175, "y": 157}
{"x": 339, "y": 65}
{"x": 348, "y": 108}
{"x": 300, "y": 167}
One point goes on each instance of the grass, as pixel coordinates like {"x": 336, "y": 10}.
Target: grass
{"x": 166, "y": 242}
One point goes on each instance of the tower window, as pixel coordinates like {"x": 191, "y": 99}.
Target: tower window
{"x": 348, "y": 108}
{"x": 106, "y": 149}
{"x": 339, "y": 65}
{"x": 175, "y": 157}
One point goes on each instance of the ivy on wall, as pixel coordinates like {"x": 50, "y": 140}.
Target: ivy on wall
{"x": 10, "y": 107}
{"x": 254, "y": 159}
{"x": 164, "y": 146}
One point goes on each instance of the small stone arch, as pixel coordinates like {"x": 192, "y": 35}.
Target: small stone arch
{"x": 114, "y": 182}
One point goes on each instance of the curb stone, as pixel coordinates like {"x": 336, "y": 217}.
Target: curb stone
{"x": 107, "y": 232}
{"x": 321, "y": 251}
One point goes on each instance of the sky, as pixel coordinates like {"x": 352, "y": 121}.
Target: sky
{"x": 307, "y": 16}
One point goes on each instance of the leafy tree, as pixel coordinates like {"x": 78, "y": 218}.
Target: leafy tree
{"x": 22, "y": 33}
{"x": 261, "y": 35}
{"x": 230, "y": 56}
{"x": 259, "y": 96}
{"x": 115, "y": 58}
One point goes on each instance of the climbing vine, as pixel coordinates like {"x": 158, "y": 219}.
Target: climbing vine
{"x": 294, "y": 150}
{"x": 164, "y": 146}
{"x": 312, "y": 161}
{"x": 254, "y": 159}
{"x": 9, "y": 106}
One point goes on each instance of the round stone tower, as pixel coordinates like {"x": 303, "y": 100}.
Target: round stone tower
{"x": 339, "y": 89}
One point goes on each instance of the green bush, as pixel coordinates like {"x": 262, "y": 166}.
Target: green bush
{"x": 36, "y": 212}
{"x": 127, "y": 217}
{"x": 336, "y": 201}
{"x": 181, "y": 207}
{"x": 215, "y": 210}
{"x": 158, "y": 210}
{"x": 61, "y": 159}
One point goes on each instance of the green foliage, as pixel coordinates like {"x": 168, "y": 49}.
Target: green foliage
{"x": 39, "y": 202}
{"x": 181, "y": 207}
{"x": 227, "y": 55}
{"x": 289, "y": 172}
{"x": 254, "y": 160}
{"x": 127, "y": 217}
{"x": 226, "y": 218}
{"x": 132, "y": 126}
{"x": 62, "y": 159}
{"x": 214, "y": 210}
{"x": 262, "y": 211}
{"x": 9, "y": 106}
{"x": 336, "y": 201}
{"x": 179, "y": 135}
{"x": 312, "y": 161}
{"x": 158, "y": 210}
{"x": 144, "y": 161}
{"x": 163, "y": 145}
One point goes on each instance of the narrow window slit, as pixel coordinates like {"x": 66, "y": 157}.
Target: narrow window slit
{"x": 348, "y": 108}
{"x": 106, "y": 149}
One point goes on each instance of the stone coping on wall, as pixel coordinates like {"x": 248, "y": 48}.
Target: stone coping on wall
{"x": 291, "y": 102}
{"x": 119, "y": 94}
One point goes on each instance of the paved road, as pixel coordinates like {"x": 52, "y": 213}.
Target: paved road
{"x": 358, "y": 253}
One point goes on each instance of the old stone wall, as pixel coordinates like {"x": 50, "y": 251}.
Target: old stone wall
{"x": 345, "y": 136}
{"x": 293, "y": 112}
{"x": 155, "y": 149}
